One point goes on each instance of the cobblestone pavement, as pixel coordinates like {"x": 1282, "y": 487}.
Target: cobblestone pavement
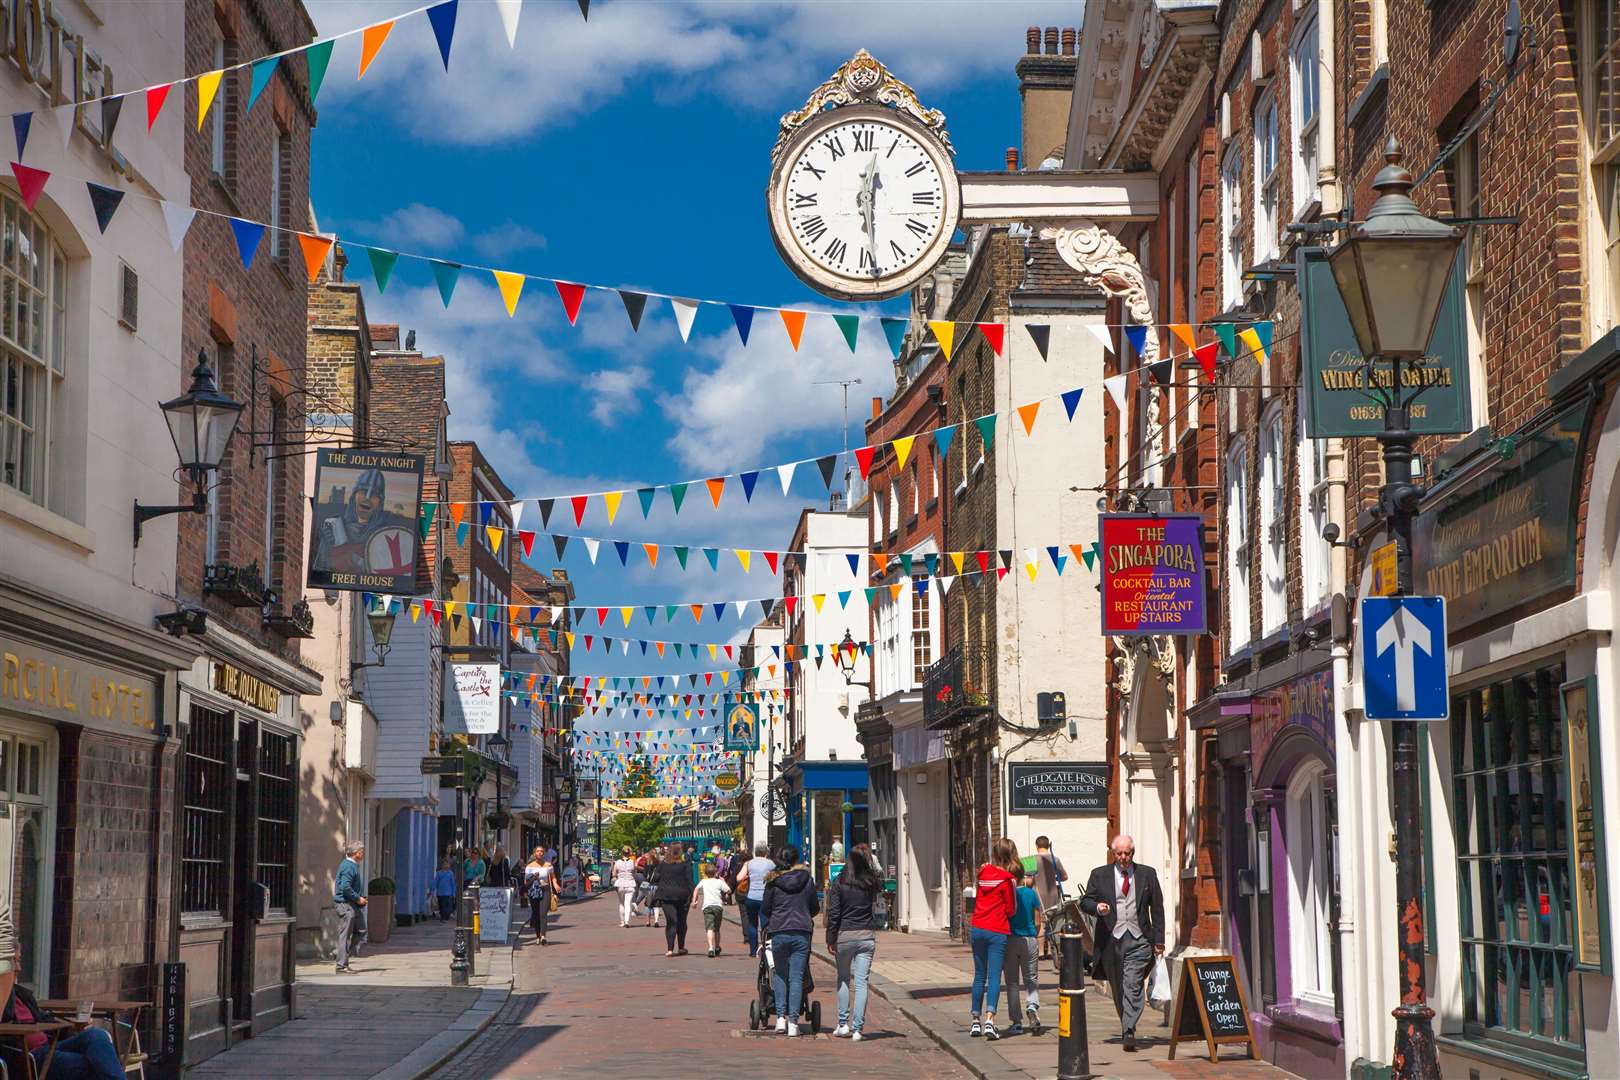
{"x": 607, "y": 1000}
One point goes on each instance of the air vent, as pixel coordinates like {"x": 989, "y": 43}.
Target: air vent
{"x": 129, "y": 292}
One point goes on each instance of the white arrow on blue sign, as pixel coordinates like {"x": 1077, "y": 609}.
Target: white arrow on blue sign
{"x": 1403, "y": 657}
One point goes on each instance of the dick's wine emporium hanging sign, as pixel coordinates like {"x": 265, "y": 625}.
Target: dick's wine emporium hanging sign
{"x": 1152, "y": 569}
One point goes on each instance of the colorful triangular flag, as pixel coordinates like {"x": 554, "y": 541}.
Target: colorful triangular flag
{"x": 104, "y": 201}
{"x": 207, "y": 89}
{"x": 1041, "y": 335}
{"x": 315, "y": 249}
{"x": 260, "y": 75}
{"x": 248, "y": 234}
{"x": 685, "y": 311}
{"x": 794, "y": 322}
{"x": 987, "y": 429}
{"x": 371, "y": 40}
{"x": 444, "y": 276}
{"x": 1026, "y": 413}
{"x": 850, "y": 325}
{"x": 155, "y": 97}
{"x": 443, "y": 18}
{"x": 895, "y": 331}
{"x": 382, "y": 265}
{"x": 995, "y": 333}
{"x": 945, "y": 334}
{"x": 743, "y": 316}
{"x": 511, "y": 286}
{"x": 634, "y": 304}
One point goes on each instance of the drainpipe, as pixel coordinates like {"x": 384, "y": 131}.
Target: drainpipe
{"x": 1348, "y": 788}
{"x": 1327, "y": 150}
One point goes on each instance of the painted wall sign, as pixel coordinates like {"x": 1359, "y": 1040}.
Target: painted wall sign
{"x": 1046, "y": 787}
{"x": 1152, "y": 573}
{"x": 474, "y": 697}
{"x": 1339, "y": 400}
{"x": 364, "y": 529}
{"x": 1507, "y": 535}
{"x": 1302, "y": 704}
{"x": 56, "y": 686}
{"x": 742, "y": 727}
{"x": 727, "y": 781}
{"x": 1590, "y": 902}
{"x": 250, "y": 690}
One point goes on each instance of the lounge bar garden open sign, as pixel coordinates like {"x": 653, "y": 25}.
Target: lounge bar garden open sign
{"x": 1152, "y": 569}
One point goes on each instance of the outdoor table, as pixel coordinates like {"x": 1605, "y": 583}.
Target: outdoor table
{"x": 51, "y": 1029}
{"x": 112, "y": 1011}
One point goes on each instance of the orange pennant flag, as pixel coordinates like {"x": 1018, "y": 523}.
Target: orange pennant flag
{"x": 1184, "y": 334}
{"x": 1026, "y": 413}
{"x": 371, "y": 39}
{"x": 716, "y": 487}
{"x": 652, "y": 554}
{"x": 457, "y": 512}
{"x": 880, "y": 564}
{"x": 697, "y": 612}
{"x": 894, "y": 590}
{"x": 315, "y": 249}
{"x": 794, "y": 321}
{"x": 659, "y": 645}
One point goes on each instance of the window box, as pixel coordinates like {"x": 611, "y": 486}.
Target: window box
{"x": 299, "y": 622}
{"x": 239, "y": 586}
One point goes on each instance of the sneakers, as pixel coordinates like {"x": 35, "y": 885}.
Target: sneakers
{"x": 793, "y": 1031}
{"x": 990, "y": 1032}
{"x": 781, "y": 1025}
{"x": 1034, "y": 1014}
{"x": 1016, "y": 1029}
{"x": 973, "y": 1029}
{"x": 856, "y": 1036}
{"x": 841, "y": 1031}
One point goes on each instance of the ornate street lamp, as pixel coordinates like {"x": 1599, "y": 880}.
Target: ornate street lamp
{"x": 201, "y": 422}
{"x": 845, "y": 653}
{"x": 1392, "y": 270}
{"x": 381, "y": 620}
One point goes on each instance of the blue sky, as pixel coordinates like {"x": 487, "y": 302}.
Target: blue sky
{"x": 633, "y": 150}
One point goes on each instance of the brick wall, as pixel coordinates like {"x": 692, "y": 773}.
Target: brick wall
{"x": 407, "y": 411}
{"x": 247, "y": 319}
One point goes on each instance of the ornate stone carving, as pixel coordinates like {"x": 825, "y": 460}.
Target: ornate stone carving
{"x": 1152, "y": 35}
{"x": 862, "y": 80}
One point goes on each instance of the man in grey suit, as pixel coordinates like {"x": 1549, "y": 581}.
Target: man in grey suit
{"x": 1130, "y": 928}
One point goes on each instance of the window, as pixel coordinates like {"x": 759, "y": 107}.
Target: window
{"x": 33, "y": 324}
{"x": 1192, "y": 191}
{"x": 1513, "y": 876}
{"x": 1232, "y": 229}
{"x": 916, "y": 492}
{"x": 280, "y": 191}
{"x": 1237, "y": 547}
{"x": 213, "y": 537}
{"x": 933, "y": 472}
{"x": 1305, "y": 83}
{"x": 27, "y": 786}
{"x": 1310, "y": 884}
{"x": 1267, "y": 178}
{"x": 272, "y": 487}
{"x": 1316, "y": 554}
{"x": 222, "y": 144}
{"x": 205, "y": 814}
{"x": 1273, "y": 523}
{"x": 1600, "y": 85}
{"x": 894, "y": 507}
{"x": 278, "y": 802}
{"x": 1465, "y": 173}
{"x": 877, "y": 516}
{"x": 922, "y": 639}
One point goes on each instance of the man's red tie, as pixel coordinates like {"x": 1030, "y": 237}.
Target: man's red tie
{"x": 1125, "y": 889}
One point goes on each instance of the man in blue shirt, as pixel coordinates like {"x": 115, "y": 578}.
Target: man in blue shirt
{"x": 347, "y": 894}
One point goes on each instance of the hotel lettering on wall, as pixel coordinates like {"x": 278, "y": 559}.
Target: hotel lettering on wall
{"x": 55, "y": 686}
{"x": 50, "y": 52}
{"x": 1152, "y": 569}
{"x": 1342, "y": 395}
{"x": 250, "y": 690}
{"x": 1506, "y": 535}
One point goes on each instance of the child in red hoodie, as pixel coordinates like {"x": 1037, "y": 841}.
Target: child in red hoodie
{"x": 993, "y": 907}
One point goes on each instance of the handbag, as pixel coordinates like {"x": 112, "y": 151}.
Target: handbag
{"x": 553, "y": 902}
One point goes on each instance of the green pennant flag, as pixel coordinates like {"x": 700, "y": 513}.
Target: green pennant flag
{"x": 677, "y": 495}
{"x": 427, "y": 518}
{"x": 987, "y": 428}
{"x": 851, "y": 326}
{"x": 382, "y": 265}
{"x": 680, "y": 556}
{"x": 905, "y": 565}
{"x": 1090, "y": 557}
{"x": 678, "y": 647}
{"x": 1228, "y": 335}
{"x": 461, "y": 533}
{"x": 318, "y": 56}
{"x": 871, "y": 596}
{"x": 445, "y": 275}
{"x": 669, "y": 612}
{"x": 646, "y": 497}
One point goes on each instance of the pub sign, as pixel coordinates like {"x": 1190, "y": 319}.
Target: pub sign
{"x": 1152, "y": 570}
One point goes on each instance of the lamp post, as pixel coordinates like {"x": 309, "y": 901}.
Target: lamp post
{"x": 1392, "y": 270}
{"x": 381, "y": 620}
{"x": 201, "y": 422}
{"x": 845, "y": 656}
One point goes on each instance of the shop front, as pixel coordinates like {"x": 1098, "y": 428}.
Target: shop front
{"x": 876, "y": 733}
{"x": 238, "y": 840}
{"x": 922, "y": 797}
{"x": 827, "y": 804}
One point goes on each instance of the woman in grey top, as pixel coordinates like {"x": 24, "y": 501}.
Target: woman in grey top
{"x": 852, "y": 935}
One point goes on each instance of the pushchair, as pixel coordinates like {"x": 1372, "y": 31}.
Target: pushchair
{"x": 763, "y": 1006}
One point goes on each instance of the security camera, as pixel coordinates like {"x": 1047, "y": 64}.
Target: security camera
{"x": 1330, "y": 532}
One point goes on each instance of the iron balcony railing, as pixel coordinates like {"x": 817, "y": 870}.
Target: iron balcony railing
{"x": 955, "y": 687}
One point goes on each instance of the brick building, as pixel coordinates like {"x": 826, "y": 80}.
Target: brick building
{"x": 242, "y": 561}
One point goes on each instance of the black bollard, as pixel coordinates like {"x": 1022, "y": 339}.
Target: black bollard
{"x": 1074, "y": 1050}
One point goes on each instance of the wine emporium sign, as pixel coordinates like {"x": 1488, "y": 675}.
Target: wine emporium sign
{"x": 1152, "y": 569}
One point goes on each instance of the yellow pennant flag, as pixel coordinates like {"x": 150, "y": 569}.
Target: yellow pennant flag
{"x": 207, "y": 88}
{"x": 495, "y": 537}
{"x": 625, "y": 613}
{"x": 416, "y": 612}
{"x": 1026, "y": 413}
{"x": 902, "y": 449}
{"x": 1252, "y": 339}
{"x": 794, "y": 321}
{"x": 511, "y": 286}
{"x": 570, "y": 636}
{"x": 652, "y": 554}
{"x": 818, "y": 599}
{"x": 725, "y": 678}
{"x": 1031, "y": 567}
{"x": 743, "y": 557}
{"x": 956, "y": 560}
{"x": 688, "y": 715}
{"x": 713, "y": 649}
{"x": 371, "y": 40}
{"x": 1184, "y": 334}
{"x": 945, "y": 334}
{"x": 611, "y": 499}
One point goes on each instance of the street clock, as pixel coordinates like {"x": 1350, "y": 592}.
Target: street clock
{"x": 863, "y": 195}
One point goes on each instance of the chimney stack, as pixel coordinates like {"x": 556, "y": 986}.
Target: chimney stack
{"x": 1046, "y": 86}
{"x": 877, "y": 407}
{"x": 1012, "y": 159}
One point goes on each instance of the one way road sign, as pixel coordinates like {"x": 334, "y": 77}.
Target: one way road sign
{"x": 1403, "y": 657}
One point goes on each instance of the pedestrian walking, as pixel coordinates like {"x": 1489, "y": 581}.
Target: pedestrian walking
{"x": 672, "y": 880}
{"x": 444, "y": 890}
{"x": 1022, "y": 965}
{"x": 350, "y": 902}
{"x": 751, "y": 888}
{"x": 1130, "y": 929}
{"x": 852, "y": 923}
{"x": 995, "y": 899}
{"x": 626, "y": 882}
{"x": 711, "y": 892}
{"x": 649, "y": 906}
{"x": 500, "y": 873}
{"x": 474, "y": 868}
{"x": 540, "y": 886}
{"x": 787, "y": 913}
{"x": 1049, "y": 880}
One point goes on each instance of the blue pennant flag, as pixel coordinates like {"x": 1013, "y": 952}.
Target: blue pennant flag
{"x": 943, "y": 437}
{"x": 20, "y": 123}
{"x": 1137, "y": 336}
{"x": 854, "y": 563}
{"x": 743, "y": 316}
{"x": 1071, "y": 399}
{"x": 895, "y": 331}
{"x": 445, "y": 274}
{"x": 623, "y": 548}
{"x": 248, "y": 234}
{"x": 263, "y": 70}
{"x": 443, "y": 18}
{"x": 749, "y": 479}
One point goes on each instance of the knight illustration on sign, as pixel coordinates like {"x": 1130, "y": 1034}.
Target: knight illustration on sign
{"x": 359, "y": 535}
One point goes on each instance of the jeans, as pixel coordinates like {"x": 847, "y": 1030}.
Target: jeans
{"x": 791, "y": 952}
{"x": 447, "y": 908}
{"x": 87, "y": 1055}
{"x": 989, "y": 952}
{"x": 674, "y": 923}
{"x": 1022, "y": 966}
{"x": 627, "y": 900}
{"x": 854, "y": 963}
{"x": 351, "y": 924}
{"x": 750, "y": 921}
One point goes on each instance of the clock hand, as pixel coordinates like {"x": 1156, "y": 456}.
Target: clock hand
{"x": 872, "y": 182}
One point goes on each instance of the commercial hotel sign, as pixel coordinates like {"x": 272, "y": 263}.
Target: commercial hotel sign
{"x": 54, "y": 686}
{"x": 1152, "y": 571}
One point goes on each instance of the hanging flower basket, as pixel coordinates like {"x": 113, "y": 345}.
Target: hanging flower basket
{"x": 498, "y": 821}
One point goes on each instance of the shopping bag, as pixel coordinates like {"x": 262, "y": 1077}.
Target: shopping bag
{"x": 1159, "y": 986}
{"x": 553, "y": 903}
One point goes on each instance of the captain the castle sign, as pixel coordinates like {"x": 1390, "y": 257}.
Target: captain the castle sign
{"x": 1152, "y": 570}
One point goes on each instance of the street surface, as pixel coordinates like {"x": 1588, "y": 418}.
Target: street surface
{"x": 606, "y": 1000}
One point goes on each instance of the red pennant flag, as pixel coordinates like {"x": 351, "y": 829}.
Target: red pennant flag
{"x": 995, "y": 333}
{"x": 579, "y": 502}
{"x": 708, "y": 678}
{"x": 587, "y": 643}
{"x": 863, "y": 457}
{"x": 790, "y": 602}
{"x": 571, "y": 296}
{"x": 1206, "y": 355}
{"x": 984, "y": 561}
{"x": 155, "y": 97}
{"x": 30, "y": 183}
{"x": 1001, "y": 572}
{"x": 770, "y": 560}
{"x": 601, "y": 616}
{"x": 728, "y": 652}
{"x": 527, "y": 539}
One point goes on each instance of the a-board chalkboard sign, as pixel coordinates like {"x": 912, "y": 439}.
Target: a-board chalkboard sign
{"x": 1210, "y": 1006}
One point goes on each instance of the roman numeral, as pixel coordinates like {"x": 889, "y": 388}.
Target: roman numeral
{"x": 835, "y": 250}
{"x": 917, "y": 227}
{"x": 892, "y": 146}
{"x": 802, "y": 201}
{"x": 836, "y": 145}
{"x": 866, "y": 259}
{"x": 809, "y": 168}
{"x": 917, "y": 168}
{"x": 899, "y": 252}
{"x": 923, "y": 198}
{"x": 814, "y": 228}
{"x": 864, "y": 139}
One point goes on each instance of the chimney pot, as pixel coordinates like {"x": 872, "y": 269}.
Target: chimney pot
{"x": 1070, "y": 38}
{"x": 877, "y": 407}
{"x": 1012, "y": 159}
{"x": 1032, "y": 40}
{"x": 1051, "y": 40}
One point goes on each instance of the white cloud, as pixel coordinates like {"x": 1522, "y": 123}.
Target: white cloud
{"x": 615, "y": 393}
{"x": 507, "y": 239}
{"x": 415, "y": 227}
{"x": 764, "y": 56}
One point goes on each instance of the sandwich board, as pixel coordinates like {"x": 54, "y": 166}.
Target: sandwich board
{"x": 1210, "y": 1005}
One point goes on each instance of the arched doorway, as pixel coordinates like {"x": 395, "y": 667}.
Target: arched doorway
{"x": 1148, "y": 791}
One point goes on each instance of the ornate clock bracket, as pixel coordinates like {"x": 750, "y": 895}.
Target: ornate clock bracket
{"x": 862, "y": 80}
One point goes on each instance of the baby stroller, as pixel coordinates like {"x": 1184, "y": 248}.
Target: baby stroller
{"x": 763, "y": 1006}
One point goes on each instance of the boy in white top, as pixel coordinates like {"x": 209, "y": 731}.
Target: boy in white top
{"x": 711, "y": 892}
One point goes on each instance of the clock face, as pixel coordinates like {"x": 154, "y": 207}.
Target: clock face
{"x": 863, "y": 207}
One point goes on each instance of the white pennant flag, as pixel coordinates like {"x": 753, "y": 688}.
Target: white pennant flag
{"x": 478, "y": 624}
{"x": 556, "y": 613}
{"x": 510, "y": 10}
{"x": 685, "y": 312}
{"x": 64, "y": 117}
{"x": 784, "y": 473}
{"x": 624, "y": 646}
{"x": 178, "y": 219}
{"x": 517, "y": 514}
{"x": 1103, "y": 335}
{"x": 742, "y": 606}
{"x": 592, "y": 546}
{"x": 1115, "y": 385}
{"x": 945, "y": 584}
